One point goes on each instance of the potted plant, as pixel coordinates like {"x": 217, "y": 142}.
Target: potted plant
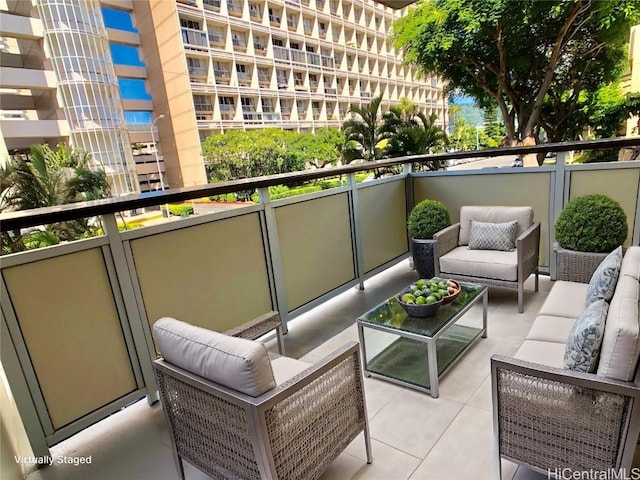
{"x": 427, "y": 218}
{"x": 588, "y": 229}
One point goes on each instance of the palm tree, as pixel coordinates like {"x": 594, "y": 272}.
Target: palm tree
{"x": 365, "y": 135}
{"x": 46, "y": 179}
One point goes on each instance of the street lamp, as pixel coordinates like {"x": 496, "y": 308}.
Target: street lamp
{"x": 155, "y": 145}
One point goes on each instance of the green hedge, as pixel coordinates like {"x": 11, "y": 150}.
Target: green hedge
{"x": 181, "y": 210}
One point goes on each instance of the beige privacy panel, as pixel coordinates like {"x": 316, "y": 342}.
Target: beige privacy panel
{"x": 382, "y": 211}
{"x": 315, "y": 247}
{"x": 521, "y": 189}
{"x": 68, "y": 318}
{"x": 619, "y": 184}
{"x": 212, "y": 275}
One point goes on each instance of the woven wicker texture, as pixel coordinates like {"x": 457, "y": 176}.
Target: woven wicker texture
{"x": 548, "y": 424}
{"x": 209, "y": 432}
{"x": 309, "y": 429}
{"x": 575, "y": 266}
{"x": 256, "y": 328}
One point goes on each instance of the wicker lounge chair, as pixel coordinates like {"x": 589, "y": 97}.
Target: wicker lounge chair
{"x": 510, "y": 269}
{"x": 235, "y": 411}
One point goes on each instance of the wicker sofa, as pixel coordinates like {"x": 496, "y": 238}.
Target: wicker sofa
{"x": 236, "y": 411}
{"x": 549, "y": 417}
{"x": 507, "y": 269}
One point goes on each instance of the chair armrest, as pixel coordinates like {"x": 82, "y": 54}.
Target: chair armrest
{"x": 528, "y": 248}
{"x": 256, "y": 328}
{"x": 446, "y": 240}
{"x": 550, "y": 417}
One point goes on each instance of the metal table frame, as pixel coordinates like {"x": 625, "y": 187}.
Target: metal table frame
{"x": 432, "y": 361}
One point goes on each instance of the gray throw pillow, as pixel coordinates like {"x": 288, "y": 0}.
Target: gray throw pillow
{"x": 492, "y": 236}
{"x": 604, "y": 279}
{"x": 583, "y": 345}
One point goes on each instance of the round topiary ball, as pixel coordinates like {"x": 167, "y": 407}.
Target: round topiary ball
{"x": 592, "y": 223}
{"x": 426, "y": 218}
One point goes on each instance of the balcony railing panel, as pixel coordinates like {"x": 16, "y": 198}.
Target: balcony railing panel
{"x": 73, "y": 334}
{"x": 200, "y": 285}
{"x": 493, "y": 187}
{"x": 382, "y": 220}
{"x": 320, "y": 226}
{"x": 619, "y": 184}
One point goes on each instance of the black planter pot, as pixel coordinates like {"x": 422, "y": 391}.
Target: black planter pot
{"x": 423, "y": 257}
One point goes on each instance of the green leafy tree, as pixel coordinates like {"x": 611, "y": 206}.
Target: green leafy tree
{"x": 413, "y": 133}
{"x": 494, "y": 131}
{"x": 321, "y": 148}
{"x": 239, "y": 154}
{"x": 365, "y": 133}
{"x": 48, "y": 178}
{"x": 520, "y": 54}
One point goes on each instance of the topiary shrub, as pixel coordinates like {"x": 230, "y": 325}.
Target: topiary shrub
{"x": 426, "y": 218}
{"x": 592, "y": 223}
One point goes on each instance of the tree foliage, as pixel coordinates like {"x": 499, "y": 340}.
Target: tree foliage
{"x": 321, "y": 148}
{"x": 48, "y": 178}
{"x": 365, "y": 134}
{"x": 520, "y": 53}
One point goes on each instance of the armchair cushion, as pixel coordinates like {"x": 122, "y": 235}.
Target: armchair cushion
{"x": 585, "y": 338}
{"x": 492, "y": 236}
{"x": 236, "y": 363}
{"x": 481, "y": 263}
{"x": 603, "y": 281}
{"x": 482, "y": 213}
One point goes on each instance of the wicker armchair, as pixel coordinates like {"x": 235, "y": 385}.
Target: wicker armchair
{"x": 449, "y": 242}
{"x": 292, "y": 431}
{"x": 552, "y": 419}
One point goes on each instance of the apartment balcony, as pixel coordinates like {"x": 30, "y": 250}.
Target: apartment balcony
{"x": 322, "y": 33}
{"x": 244, "y": 79}
{"x": 234, "y": 9}
{"x": 298, "y": 56}
{"x": 223, "y": 77}
{"x": 251, "y": 116}
{"x": 275, "y": 21}
{"x": 270, "y": 116}
{"x": 328, "y": 62}
{"x": 330, "y": 91}
{"x": 203, "y": 107}
{"x": 216, "y": 40}
{"x": 313, "y": 59}
{"x": 239, "y": 46}
{"x": 308, "y": 29}
{"x": 292, "y": 26}
{"x": 285, "y": 114}
{"x": 255, "y": 15}
{"x": 194, "y": 39}
{"x": 260, "y": 49}
{"x": 212, "y": 5}
{"x": 135, "y": 277}
{"x": 197, "y": 74}
{"x": 264, "y": 81}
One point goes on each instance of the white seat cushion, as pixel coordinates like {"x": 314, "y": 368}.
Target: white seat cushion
{"x": 621, "y": 343}
{"x": 481, "y": 263}
{"x": 566, "y": 299}
{"x": 285, "y": 368}
{"x": 237, "y": 363}
{"x": 544, "y": 353}
{"x": 499, "y": 214}
{"x": 551, "y": 329}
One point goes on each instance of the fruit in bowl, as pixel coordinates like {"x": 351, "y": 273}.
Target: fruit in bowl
{"x": 426, "y": 293}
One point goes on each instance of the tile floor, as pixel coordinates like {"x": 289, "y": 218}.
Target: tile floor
{"x": 414, "y": 436}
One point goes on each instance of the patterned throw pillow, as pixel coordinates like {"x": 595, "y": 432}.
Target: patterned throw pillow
{"x": 604, "y": 279}
{"x": 585, "y": 338}
{"x": 492, "y": 236}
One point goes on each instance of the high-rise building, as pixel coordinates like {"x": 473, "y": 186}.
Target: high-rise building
{"x": 140, "y": 84}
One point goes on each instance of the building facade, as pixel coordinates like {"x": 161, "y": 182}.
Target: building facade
{"x": 140, "y": 84}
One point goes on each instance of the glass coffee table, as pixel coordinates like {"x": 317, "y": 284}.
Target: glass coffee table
{"x": 416, "y": 352}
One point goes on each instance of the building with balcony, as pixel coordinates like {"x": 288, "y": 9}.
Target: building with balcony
{"x": 98, "y": 73}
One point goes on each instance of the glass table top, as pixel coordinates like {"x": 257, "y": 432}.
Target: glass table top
{"x": 391, "y": 314}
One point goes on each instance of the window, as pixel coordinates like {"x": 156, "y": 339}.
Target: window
{"x": 295, "y": 46}
{"x": 118, "y": 20}
{"x": 133, "y": 89}
{"x": 241, "y": 68}
{"x": 190, "y": 24}
{"x": 277, "y": 42}
{"x": 137, "y": 117}
{"x": 125, "y": 55}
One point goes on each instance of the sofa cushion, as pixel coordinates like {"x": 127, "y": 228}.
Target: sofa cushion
{"x": 237, "y": 363}
{"x": 492, "y": 236}
{"x": 544, "y": 353}
{"x": 631, "y": 263}
{"x": 620, "y": 344}
{"x": 585, "y": 338}
{"x": 481, "y": 263}
{"x": 547, "y": 328}
{"x": 482, "y": 213}
{"x": 603, "y": 281}
{"x": 566, "y": 299}
{"x": 285, "y": 368}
